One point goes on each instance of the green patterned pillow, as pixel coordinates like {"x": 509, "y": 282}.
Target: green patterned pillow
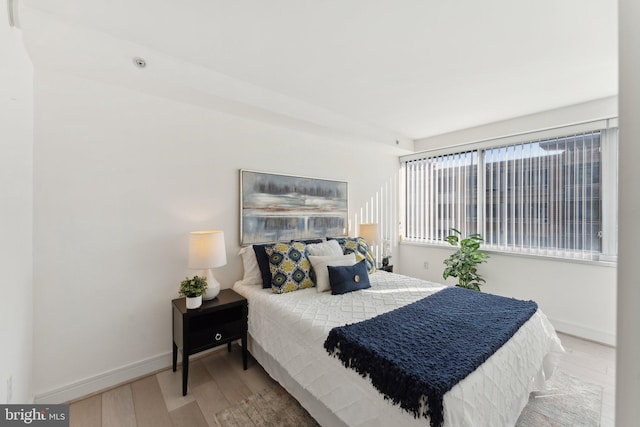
{"x": 358, "y": 246}
{"x": 290, "y": 267}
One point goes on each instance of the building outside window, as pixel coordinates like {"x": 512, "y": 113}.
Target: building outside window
{"x": 552, "y": 196}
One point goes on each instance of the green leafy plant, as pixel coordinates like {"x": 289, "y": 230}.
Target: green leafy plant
{"x": 463, "y": 264}
{"x": 193, "y": 287}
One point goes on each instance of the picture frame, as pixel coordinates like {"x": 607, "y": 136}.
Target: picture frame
{"x": 277, "y": 207}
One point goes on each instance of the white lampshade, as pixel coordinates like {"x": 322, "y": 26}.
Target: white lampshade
{"x": 369, "y": 232}
{"x": 207, "y": 249}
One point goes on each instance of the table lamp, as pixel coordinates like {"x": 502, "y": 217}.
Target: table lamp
{"x": 369, "y": 232}
{"x": 207, "y": 251}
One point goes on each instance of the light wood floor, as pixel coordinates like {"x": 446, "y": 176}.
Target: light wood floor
{"x": 217, "y": 381}
{"x": 594, "y": 363}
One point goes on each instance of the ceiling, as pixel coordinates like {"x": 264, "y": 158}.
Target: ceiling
{"x": 409, "y": 68}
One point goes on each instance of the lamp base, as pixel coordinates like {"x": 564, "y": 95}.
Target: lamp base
{"x": 211, "y": 292}
{"x": 213, "y": 286}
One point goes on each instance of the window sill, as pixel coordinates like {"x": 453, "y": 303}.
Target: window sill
{"x": 610, "y": 262}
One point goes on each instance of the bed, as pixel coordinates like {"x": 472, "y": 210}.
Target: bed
{"x": 287, "y": 332}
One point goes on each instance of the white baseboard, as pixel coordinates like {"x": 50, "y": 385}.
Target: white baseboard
{"x": 582, "y": 332}
{"x": 105, "y": 380}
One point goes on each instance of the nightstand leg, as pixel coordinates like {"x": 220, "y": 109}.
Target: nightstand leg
{"x": 175, "y": 356}
{"x": 244, "y": 351}
{"x": 229, "y": 347}
{"x": 185, "y": 372}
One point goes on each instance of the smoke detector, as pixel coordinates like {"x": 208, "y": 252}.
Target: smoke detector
{"x": 139, "y": 62}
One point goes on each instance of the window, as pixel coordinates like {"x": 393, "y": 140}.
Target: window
{"x": 442, "y": 192}
{"x": 552, "y": 196}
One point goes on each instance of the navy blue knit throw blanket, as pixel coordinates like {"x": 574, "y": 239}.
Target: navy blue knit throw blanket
{"x": 425, "y": 348}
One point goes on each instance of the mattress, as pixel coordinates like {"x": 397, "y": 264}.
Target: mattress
{"x": 287, "y": 332}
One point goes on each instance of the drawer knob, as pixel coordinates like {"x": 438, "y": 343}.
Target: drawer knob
{"x": 218, "y": 336}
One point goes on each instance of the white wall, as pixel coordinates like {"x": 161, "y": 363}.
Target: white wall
{"x": 120, "y": 179}
{"x": 628, "y": 354}
{"x": 16, "y": 183}
{"x": 578, "y": 298}
{"x": 592, "y": 110}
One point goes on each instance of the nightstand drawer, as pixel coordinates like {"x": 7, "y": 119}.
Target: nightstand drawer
{"x": 206, "y": 321}
{"x": 215, "y": 334}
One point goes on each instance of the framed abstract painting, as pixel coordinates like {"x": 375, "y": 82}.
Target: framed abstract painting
{"x": 275, "y": 207}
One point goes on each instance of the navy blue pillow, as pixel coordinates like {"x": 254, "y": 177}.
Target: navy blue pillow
{"x": 349, "y": 278}
{"x": 263, "y": 264}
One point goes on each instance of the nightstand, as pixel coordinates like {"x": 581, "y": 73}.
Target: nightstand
{"x": 387, "y": 268}
{"x": 217, "y": 321}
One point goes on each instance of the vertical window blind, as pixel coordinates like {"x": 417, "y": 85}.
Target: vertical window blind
{"x": 541, "y": 197}
{"x": 442, "y": 193}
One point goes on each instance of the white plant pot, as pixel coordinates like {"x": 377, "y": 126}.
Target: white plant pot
{"x": 194, "y": 302}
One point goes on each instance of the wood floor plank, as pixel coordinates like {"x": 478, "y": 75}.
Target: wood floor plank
{"x": 148, "y": 403}
{"x": 86, "y": 412}
{"x": 188, "y": 415}
{"x": 588, "y": 362}
{"x": 255, "y": 378}
{"x": 198, "y": 374}
{"x": 594, "y": 363}
{"x": 171, "y": 385}
{"x": 117, "y": 408}
{"x": 219, "y": 365}
{"x": 211, "y": 400}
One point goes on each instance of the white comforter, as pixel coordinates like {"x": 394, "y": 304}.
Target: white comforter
{"x": 292, "y": 327}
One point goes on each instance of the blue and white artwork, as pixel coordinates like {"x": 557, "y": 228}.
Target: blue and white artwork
{"x": 284, "y": 207}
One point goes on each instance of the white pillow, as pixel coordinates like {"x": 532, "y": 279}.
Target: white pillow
{"x": 328, "y": 248}
{"x": 320, "y": 264}
{"x": 252, "y": 275}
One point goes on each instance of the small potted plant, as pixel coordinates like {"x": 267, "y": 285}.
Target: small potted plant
{"x": 386, "y": 252}
{"x": 193, "y": 289}
{"x": 463, "y": 264}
